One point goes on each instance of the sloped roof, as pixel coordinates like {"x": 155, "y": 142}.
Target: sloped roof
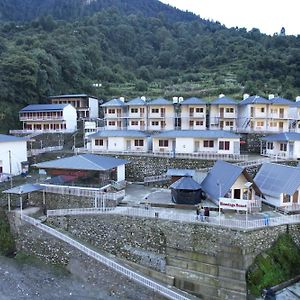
{"x": 220, "y": 179}
{"x": 10, "y": 138}
{"x": 180, "y": 172}
{"x": 281, "y": 101}
{"x": 89, "y": 162}
{"x": 160, "y": 101}
{"x": 197, "y": 134}
{"x": 43, "y": 107}
{"x": 193, "y": 101}
{"x": 255, "y": 100}
{"x": 24, "y": 189}
{"x": 113, "y": 102}
{"x": 118, "y": 133}
{"x": 224, "y": 101}
{"x": 136, "y": 101}
{"x": 283, "y": 137}
{"x": 275, "y": 179}
{"x": 186, "y": 183}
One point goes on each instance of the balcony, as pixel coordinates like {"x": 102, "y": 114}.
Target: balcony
{"x": 41, "y": 118}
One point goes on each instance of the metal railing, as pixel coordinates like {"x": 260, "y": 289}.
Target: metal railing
{"x": 34, "y": 152}
{"x": 82, "y": 191}
{"x": 159, "y": 288}
{"x": 40, "y": 131}
{"x": 157, "y": 178}
{"x": 188, "y": 218}
{"x": 169, "y": 154}
{"x": 78, "y": 211}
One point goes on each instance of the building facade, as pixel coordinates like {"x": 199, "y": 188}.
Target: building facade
{"x": 49, "y": 118}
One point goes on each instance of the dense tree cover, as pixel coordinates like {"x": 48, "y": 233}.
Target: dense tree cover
{"x": 138, "y": 53}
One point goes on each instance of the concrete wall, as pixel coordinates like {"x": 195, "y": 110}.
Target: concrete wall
{"x": 70, "y": 116}
{"x": 208, "y": 261}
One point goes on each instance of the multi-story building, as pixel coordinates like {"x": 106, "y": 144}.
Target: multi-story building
{"x": 49, "y": 118}
{"x": 279, "y": 115}
{"x": 87, "y": 107}
{"x": 161, "y": 115}
{"x": 137, "y": 114}
{"x": 253, "y": 114}
{"x": 223, "y": 114}
{"x": 193, "y": 114}
{"x": 115, "y": 114}
{"x": 295, "y": 116}
{"x": 197, "y": 141}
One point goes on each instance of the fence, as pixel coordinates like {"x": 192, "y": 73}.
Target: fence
{"x": 78, "y": 211}
{"x": 40, "y": 131}
{"x": 184, "y": 217}
{"x": 82, "y": 191}
{"x": 200, "y": 155}
{"x": 157, "y": 178}
{"x": 34, "y": 152}
{"x": 159, "y": 288}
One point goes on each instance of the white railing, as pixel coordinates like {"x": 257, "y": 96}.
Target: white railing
{"x": 157, "y": 178}
{"x": 82, "y": 191}
{"x": 290, "y": 208}
{"x": 169, "y": 154}
{"x": 34, "y": 152}
{"x": 216, "y": 221}
{"x": 78, "y": 211}
{"x": 159, "y": 288}
{"x": 42, "y": 118}
{"x": 40, "y": 131}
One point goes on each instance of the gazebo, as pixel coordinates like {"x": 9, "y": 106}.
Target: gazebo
{"x": 186, "y": 191}
{"x": 23, "y": 190}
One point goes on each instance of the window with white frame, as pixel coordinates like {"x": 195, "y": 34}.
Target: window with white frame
{"x": 199, "y": 109}
{"x": 270, "y": 146}
{"x": 154, "y": 123}
{"x": 260, "y": 123}
{"x": 99, "y": 142}
{"x": 111, "y": 111}
{"x": 224, "y": 145}
{"x": 229, "y": 123}
{"x": 230, "y": 110}
{"x": 134, "y": 110}
{"x": 273, "y": 124}
{"x": 138, "y": 143}
{"x": 155, "y": 110}
{"x": 208, "y": 144}
{"x": 111, "y": 123}
{"x": 134, "y": 123}
{"x": 199, "y": 123}
{"x": 163, "y": 143}
{"x": 262, "y": 109}
{"x": 283, "y": 147}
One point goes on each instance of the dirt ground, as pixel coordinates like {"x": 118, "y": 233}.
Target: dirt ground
{"x": 35, "y": 280}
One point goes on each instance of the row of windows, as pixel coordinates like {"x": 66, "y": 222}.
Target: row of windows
{"x": 137, "y": 143}
{"x": 223, "y": 145}
{"x": 282, "y": 146}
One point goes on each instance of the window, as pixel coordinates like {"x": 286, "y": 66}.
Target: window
{"x": 229, "y": 109}
{"x": 283, "y": 147}
{"x": 273, "y": 110}
{"x": 229, "y": 123}
{"x": 191, "y": 123}
{"x": 155, "y": 110}
{"x": 199, "y": 110}
{"x": 163, "y": 143}
{"x": 99, "y": 143}
{"x": 138, "y": 143}
{"x": 111, "y": 123}
{"x": 273, "y": 124}
{"x": 286, "y": 198}
{"x": 134, "y": 123}
{"x": 262, "y": 109}
{"x": 111, "y": 111}
{"x": 199, "y": 123}
{"x": 270, "y": 145}
{"x": 208, "y": 144}
{"x": 224, "y": 145}
{"x": 134, "y": 110}
{"x": 260, "y": 123}
{"x": 154, "y": 123}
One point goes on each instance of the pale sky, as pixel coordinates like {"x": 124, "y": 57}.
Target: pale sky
{"x": 266, "y": 15}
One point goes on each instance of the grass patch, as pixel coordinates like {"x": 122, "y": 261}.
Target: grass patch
{"x": 7, "y": 242}
{"x": 276, "y": 265}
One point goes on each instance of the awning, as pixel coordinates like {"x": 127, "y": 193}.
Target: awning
{"x": 24, "y": 189}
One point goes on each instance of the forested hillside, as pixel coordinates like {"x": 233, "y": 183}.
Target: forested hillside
{"x": 150, "y": 49}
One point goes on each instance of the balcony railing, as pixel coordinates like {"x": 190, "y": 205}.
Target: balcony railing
{"x": 41, "y": 118}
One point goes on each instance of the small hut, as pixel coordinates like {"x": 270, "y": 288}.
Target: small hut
{"x": 186, "y": 191}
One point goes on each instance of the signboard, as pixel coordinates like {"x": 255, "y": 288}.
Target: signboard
{"x": 234, "y": 204}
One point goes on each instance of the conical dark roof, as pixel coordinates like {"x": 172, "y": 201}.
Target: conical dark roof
{"x": 186, "y": 183}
